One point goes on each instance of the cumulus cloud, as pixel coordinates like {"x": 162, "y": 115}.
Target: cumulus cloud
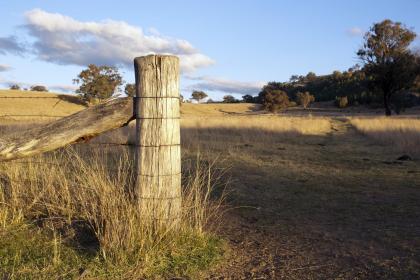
{"x": 63, "y": 40}
{"x": 11, "y": 45}
{"x": 4, "y": 67}
{"x": 355, "y": 32}
{"x": 224, "y": 85}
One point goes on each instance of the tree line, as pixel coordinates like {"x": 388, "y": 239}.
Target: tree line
{"x": 389, "y": 76}
{"x": 32, "y": 88}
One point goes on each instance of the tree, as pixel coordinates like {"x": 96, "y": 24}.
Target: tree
{"x": 294, "y": 78}
{"x": 229, "y": 99}
{"x": 388, "y": 62}
{"x": 98, "y": 82}
{"x": 336, "y": 75}
{"x": 311, "y": 76}
{"x": 305, "y": 98}
{"x": 248, "y": 98}
{"x": 39, "y": 88}
{"x": 198, "y": 95}
{"x": 275, "y": 100}
{"x": 130, "y": 90}
{"x": 15, "y": 87}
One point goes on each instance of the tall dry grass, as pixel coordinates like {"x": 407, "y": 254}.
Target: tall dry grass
{"x": 250, "y": 124}
{"x": 89, "y": 187}
{"x": 263, "y": 129}
{"x": 401, "y": 134}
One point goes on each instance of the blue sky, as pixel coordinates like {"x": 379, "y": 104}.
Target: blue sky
{"x": 226, "y": 47}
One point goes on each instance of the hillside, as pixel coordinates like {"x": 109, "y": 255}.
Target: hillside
{"x": 15, "y": 104}
{"x": 35, "y": 107}
{"x": 30, "y": 104}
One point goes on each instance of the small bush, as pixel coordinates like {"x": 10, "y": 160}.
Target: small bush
{"x": 248, "y": 98}
{"x": 230, "y": 99}
{"x": 275, "y": 100}
{"x": 130, "y": 90}
{"x": 304, "y": 99}
{"x": 292, "y": 104}
{"x": 39, "y": 88}
{"x": 15, "y": 87}
{"x": 341, "y": 101}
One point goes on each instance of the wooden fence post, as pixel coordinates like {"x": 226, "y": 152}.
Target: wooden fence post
{"x": 158, "y": 151}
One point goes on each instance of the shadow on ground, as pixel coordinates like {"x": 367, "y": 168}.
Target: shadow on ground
{"x": 315, "y": 207}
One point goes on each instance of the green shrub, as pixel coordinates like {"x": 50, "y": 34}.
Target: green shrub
{"x": 39, "y": 88}
{"x": 305, "y": 98}
{"x": 15, "y": 87}
{"x": 341, "y": 101}
{"x": 230, "y": 99}
{"x": 275, "y": 100}
{"x": 247, "y": 98}
{"x": 130, "y": 90}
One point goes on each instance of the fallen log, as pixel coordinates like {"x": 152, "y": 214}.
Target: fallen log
{"x": 77, "y": 127}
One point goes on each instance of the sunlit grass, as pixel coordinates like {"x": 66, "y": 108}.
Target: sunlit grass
{"x": 30, "y": 109}
{"x": 400, "y": 134}
{"x": 70, "y": 212}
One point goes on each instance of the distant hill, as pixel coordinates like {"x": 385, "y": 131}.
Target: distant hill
{"x": 62, "y": 105}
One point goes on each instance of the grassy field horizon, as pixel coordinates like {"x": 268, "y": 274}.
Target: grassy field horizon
{"x": 62, "y": 104}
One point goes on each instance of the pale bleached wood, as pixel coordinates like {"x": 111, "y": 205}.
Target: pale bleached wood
{"x": 158, "y": 154}
{"x": 78, "y": 127}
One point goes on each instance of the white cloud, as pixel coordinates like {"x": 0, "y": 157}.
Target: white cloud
{"x": 63, "y": 40}
{"x": 355, "y": 32}
{"x": 4, "y": 68}
{"x": 63, "y": 88}
{"x": 224, "y": 85}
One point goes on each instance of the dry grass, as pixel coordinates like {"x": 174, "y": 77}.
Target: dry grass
{"x": 242, "y": 130}
{"x": 63, "y": 105}
{"x": 312, "y": 189}
{"x": 402, "y": 134}
{"x": 86, "y": 188}
{"x": 294, "y": 125}
{"x": 218, "y": 109}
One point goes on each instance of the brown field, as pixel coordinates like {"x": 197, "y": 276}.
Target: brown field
{"x": 56, "y": 105}
{"x": 308, "y": 197}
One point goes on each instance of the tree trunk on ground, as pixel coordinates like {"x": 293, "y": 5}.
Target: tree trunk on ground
{"x": 78, "y": 127}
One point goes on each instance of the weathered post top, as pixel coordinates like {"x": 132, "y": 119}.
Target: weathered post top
{"x": 158, "y": 156}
